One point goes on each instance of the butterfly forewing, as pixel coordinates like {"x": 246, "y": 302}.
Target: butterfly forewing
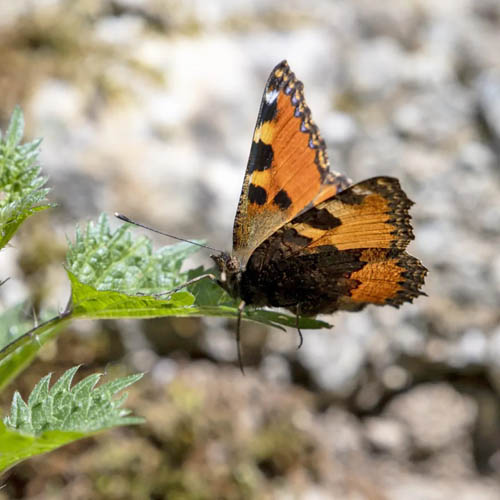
{"x": 288, "y": 167}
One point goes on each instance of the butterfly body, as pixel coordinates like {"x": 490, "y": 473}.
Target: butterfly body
{"x": 304, "y": 237}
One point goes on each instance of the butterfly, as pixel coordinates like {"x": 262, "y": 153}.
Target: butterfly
{"x": 305, "y": 238}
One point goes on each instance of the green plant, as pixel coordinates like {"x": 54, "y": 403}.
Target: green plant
{"x": 57, "y": 415}
{"x": 60, "y": 414}
{"x": 22, "y": 186}
{"x": 112, "y": 275}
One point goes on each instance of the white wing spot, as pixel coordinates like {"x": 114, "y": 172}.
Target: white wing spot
{"x": 271, "y": 96}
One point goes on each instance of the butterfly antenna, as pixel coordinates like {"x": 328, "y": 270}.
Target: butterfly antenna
{"x": 297, "y": 325}
{"x": 124, "y": 218}
{"x": 241, "y": 307}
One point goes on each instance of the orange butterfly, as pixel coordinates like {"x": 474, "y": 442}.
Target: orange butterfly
{"x": 304, "y": 238}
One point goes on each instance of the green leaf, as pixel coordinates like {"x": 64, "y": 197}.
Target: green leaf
{"x": 22, "y": 191}
{"x": 108, "y": 260}
{"x": 91, "y": 303}
{"x": 15, "y": 129}
{"x": 16, "y": 447}
{"x": 61, "y": 414}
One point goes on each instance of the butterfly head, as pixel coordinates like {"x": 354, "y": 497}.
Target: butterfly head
{"x": 230, "y": 270}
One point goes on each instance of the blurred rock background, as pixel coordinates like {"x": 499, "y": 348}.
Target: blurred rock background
{"x": 148, "y": 108}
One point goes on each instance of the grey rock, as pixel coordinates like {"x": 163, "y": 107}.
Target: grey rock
{"x": 436, "y": 415}
{"x": 488, "y": 100}
{"x": 387, "y": 435}
{"x": 472, "y": 348}
{"x": 375, "y": 68}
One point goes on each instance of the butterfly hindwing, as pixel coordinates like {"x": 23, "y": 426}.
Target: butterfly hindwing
{"x": 288, "y": 167}
{"x": 344, "y": 253}
{"x": 370, "y": 214}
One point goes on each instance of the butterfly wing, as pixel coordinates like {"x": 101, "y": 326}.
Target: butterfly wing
{"x": 288, "y": 167}
{"x": 344, "y": 253}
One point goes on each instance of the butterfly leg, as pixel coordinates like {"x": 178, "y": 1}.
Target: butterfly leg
{"x": 241, "y": 307}
{"x": 297, "y": 323}
{"x": 187, "y": 283}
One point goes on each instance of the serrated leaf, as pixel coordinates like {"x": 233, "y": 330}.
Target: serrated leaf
{"x": 114, "y": 261}
{"x": 64, "y": 382}
{"x": 40, "y": 392}
{"x": 20, "y": 414}
{"x": 21, "y": 184}
{"x": 65, "y": 412}
{"x": 114, "y": 386}
{"x": 91, "y": 303}
{"x": 73, "y": 413}
{"x": 15, "y": 129}
{"x": 85, "y": 387}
